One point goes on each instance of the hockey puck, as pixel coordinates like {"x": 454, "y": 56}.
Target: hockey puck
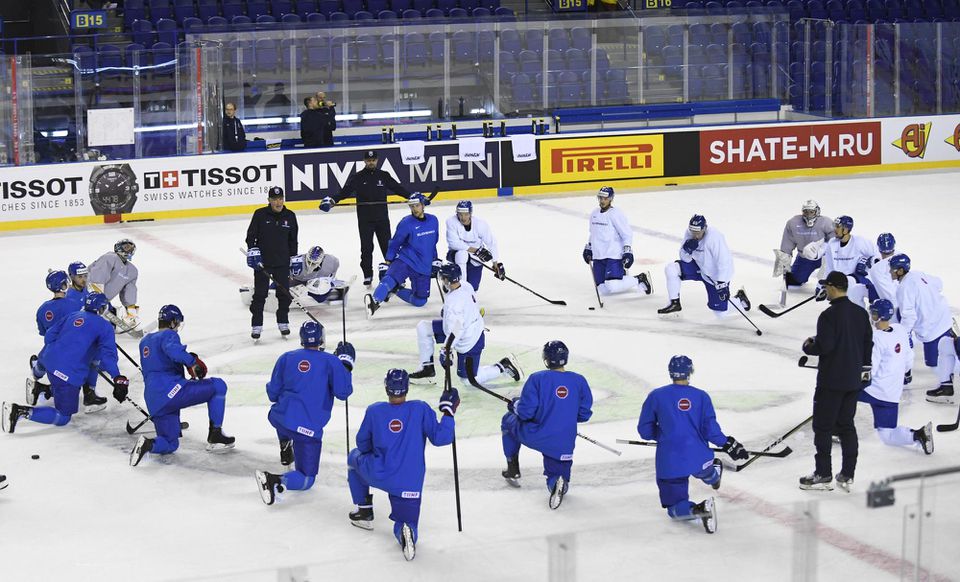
{"x": 184, "y": 425}
{"x": 759, "y": 332}
{"x": 592, "y": 308}
{"x": 34, "y": 457}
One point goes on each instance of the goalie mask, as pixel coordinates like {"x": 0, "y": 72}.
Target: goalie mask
{"x": 314, "y": 258}
{"x": 125, "y": 249}
{"x": 811, "y": 212}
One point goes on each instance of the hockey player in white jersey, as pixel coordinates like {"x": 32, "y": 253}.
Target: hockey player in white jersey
{"x": 880, "y": 285}
{"x": 460, "y": 330}
{"x": 806, "y": 233}
{"x": 609, "y": 250}
{"x": 889, "y": 359}
{"x": 843, "y": 253}
{"x": 704, "y": 256}
{"x": 468, "y": 235}
{"x": 114, "y": 274}
{"x": 313, "y": 280}
{"x": 925, "y": 312}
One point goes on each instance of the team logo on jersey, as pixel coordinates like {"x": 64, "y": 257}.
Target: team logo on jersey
{"x": 78, "y": 322}
{"x": 562, "y": 392}
{"x": 913, "y": 139}
{"x": 396, "y": 425}
{"x": 304, "y": 366}
{"x": 684, "y": 404}
{"x": 146, "y": 351}
{"x": 896, "y": 348}
{"x": 48, "y": 315}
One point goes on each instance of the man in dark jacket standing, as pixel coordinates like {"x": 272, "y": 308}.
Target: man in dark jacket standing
{"x": 370, "y": 186}
{"x": 234, "y": 137}
{"x": 328, "y": 112}
{"x": 271, "y": 241}
{"x": 311, "y": 124}
{"x": 844, "y": 342}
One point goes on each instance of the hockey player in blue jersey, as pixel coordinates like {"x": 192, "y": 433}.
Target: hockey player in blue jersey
{"x": 78, "y": 343}
{"x": 302, "y": 388}
{"x": 389, "y": 455}
{"x": 77, "y": 293}
{"x": 545, "y": 418}
{"x": 411, "y": 254}
{"x": 49, "y": 312}
{"x": 682, "y": 421}
{"x": 163, "y": 358}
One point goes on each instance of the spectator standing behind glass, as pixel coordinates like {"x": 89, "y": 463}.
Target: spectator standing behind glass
{"x": 328, "y": 111}
{"x": 311, "y": 123}
{"x": 234, "y": 137}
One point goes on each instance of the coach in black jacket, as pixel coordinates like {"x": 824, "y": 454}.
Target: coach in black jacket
{"x": 234, "y": 137}
{"x": 311, "y": 124}
{"x": 844, "y": 342}
{"x": 271, "y": 241}
{"x": 371, "y": 187}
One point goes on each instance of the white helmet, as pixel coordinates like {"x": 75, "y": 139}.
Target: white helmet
{"x": 314, "y": 257}
{"x": 810, "y": 212}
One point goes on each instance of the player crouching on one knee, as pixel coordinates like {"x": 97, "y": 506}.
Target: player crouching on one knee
{"x": 545, "y": 418}
{"x": 302, "y": 387}
{"x": 609, "y": 250}
{"x": 704, "y": 256}
{"x": 389, "y": 455}
{"x": 163, "y": 358}
{"x": 682, "y": 420}
{"x": 75, "y": 348}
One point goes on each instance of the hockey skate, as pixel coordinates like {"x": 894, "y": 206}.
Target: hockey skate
{"x": 924, "y": 436}
{"x": 908, "y": 377}
{"x": 941, "y": 395}
{"x": 814, "y": 482}
{"x": 672, "y": 310}
{"x": 143, "y": 446}
{"x": 425, "y": 375}
{"x": 844, "y": 482}
{"x": 36, "y": 389}
{"x": 557, "y": 493}
{"x": 512, "y": 472}
{"x": 718, "y": 464}
{"x": 706, "y": 511}
{"x": 644, "y": 280}
{"x": 92, "y": 402}
{"x": 511, "y": 366}
{"x": 255, "y": 332}
{"x": 370, "y": 305}
{"x": 742, "y": 297}
{"x": 363, "y": 516}
{"x": 12, "y": 413}
{"x": 270, "y": 486}
{"x": 217, "y": 441}
{"x": 407, "y": 544}
{"x": 368, "y": 281}
{"x": 3, "y": 482}
{"x": 284, "y": 329}
{"x": 286, "y": 453}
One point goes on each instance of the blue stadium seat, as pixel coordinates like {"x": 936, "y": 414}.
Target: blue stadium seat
{"x": 363, "y": 15}
{"x": 387, "y": 50}
{"x": 415, "y": 50}
{"x": 553, "y": 89}
{"x": 570, "y": 88}
{"x": 266, "y": 55}
{"x": 719, "y": 33}
{"x": 239, "y": 55}
{"x": 616, "y": 91}
{"x": 434, "y": 13}
{"x": 716, "y": 54}
{"x": 193, "y": 25}
{"x": 508, "y": 65}
{"x": 510, "y": 41}
{"x": 375, "y": 6}
{"x": 160, "y": 9}
{"x": 241, "y": 22}
{"x": 399, "y": 6}
{"x": 316, "y": 18}
{"x": 469, "y": 5}
{"x": 167, "y": 31}
{"x": 580, "y": 38}
{"x": 504, "y": 12}
{"x": 714, "y": 82}
{"x": 533, "y": 40}
{"x": 231, "y": 9}
{"x": 318, "y": 53}
{"x": 436, "y": 47}
{"x": 696, "y": 55}
{"x": 423, "y": 5}
{"x": 291, "y": 20}
{"x": 530, "y": 62}
{"x": 339, "y": 16}
{"x": 603, "y": 61}
{"x": 464, "y": 47}
{"x": 485, "y": 43}
{"x": 554, "y": 60}
{"x": 699, "y": 34}
{"x": 306, "y": 7}
{"x": 458, "y": 13}
{"x": 280, "y": 8}
{"x": 217, "y": 24}
{"x": 86, "y": 60}
{"x": 290, "y": 53}
{"x": 446, "y": 5}
{"x": 207, "y": 9}
{"x": 480, "y": 12}
{"x": 143, "y": 32}
{"x": 411, "y": 14}
{"x": 133, "y": 10}
{"x": 183, "y": 9}
{"x": 164, "y": 59}
{"x": 386, "y": 15}
{"x": 328, "y": 7}
{"x": 368, "y": 51}
{"x": 558, "y": 39}
{"x": 110, "y": 60}
{"x": 875, "y": 10}
{"x": 351, "y": 7}
{"x": 135, "y": 55}
{"x": 836, "y": 10}
{"x": 576, "y": 60}
{"x": 256, "y": 9}
{"x": 894, "y": 10}
{"x": 266, "y": 19}
{"x": 815, "y": 9}
{"x": 521, "y": 91}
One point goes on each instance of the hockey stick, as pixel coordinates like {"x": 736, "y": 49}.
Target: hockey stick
{"x": 447, "y": 385}
{"x": 786, "y": 451}
{"x": 294, "y": 300}
{"x": 950, "y": 427}
{"x": 596, "y": 288}
{"x": 774, "y": 443}
{"x": 133, "y": 429}
{"x": 346, "y": 401}
{"x": 599, "y": 444}
{"x": 524, "y": 287}
{"x": 767, "y": 311}
{"x": 750, "y": 321}
{"x": 430, "y": 197}
{"x": 802, "y": 362}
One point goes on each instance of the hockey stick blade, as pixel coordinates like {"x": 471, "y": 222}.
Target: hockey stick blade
{"x": 779, "y": 454}
{"x": 184, "y": 425}
{"x": 524, "y": 287}
{"x": 774, "y": 443}
{"x": 767, "y": 311}
{"x": 950, "y": 427}
{"x": 802, "y": 362}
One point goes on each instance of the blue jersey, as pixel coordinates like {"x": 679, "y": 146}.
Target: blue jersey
{"x": 80, "y": 339}
{"x": 53, "y": 311}
{"x": 77, "y": 297}
{"x": 303, "y": 386}
{"x": 682, "y": 420}
{"x": 162, "y": 358}
{"x": 393, "y": 437}
{"x": 551, "y": 404}
{"x": 415, "y": 243}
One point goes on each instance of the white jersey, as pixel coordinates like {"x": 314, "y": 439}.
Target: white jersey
{"x": 461, "y": 238}
{"x": 112, "y": 276}
{"x": 891, "y": 348}
{"x": 886, "y": 286}
{"x": 712, "y": 255}
{"x": 923, "y": 310}
{"x": 609, "y": 233}
{"x": 844, "y": 257}
{"x": 461, "y": 317}
{"x": 299, "y": 273}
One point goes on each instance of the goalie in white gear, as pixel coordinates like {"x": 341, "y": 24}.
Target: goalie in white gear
{"x": 806, "y": 233}
{"x": 313, "y": 280}
{"x": 114, "y": 274}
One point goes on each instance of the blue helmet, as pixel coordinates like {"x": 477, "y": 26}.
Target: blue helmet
{"x": 170, "y": 314}
{"x": 680, "y": 367}
{"x": 57, "y": 281}
{"x": 465, "y": 206}
{"x": 605, "y": 192}
{"x": 417, "y": 198}
{"x": 125, "y": 249}
{"x": 900, "y": 261}
{"x": 883, "y": 309}
{"x": 95, "y": 303}
{"x": 698, "y": 222}
{"x": 396, "y": 382}
{"x": 311, "y": 334}
{"x": 77, "y": 268}
{"x": 555, "y": 354}
{"x": 886, "y": 243}
{"x": 844, "y": 221}
{"x": 450, "y": 272}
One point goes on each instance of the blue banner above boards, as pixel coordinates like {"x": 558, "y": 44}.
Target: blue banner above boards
{"x": 88, "y": 19}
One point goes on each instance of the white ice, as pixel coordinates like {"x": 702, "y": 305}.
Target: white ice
{"x": 81, "y": 513}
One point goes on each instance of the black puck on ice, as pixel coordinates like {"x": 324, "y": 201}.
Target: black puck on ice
{"x": 592, "y": 308}
{"x": 759, "y": 332}
{"x": 34, "y": 457}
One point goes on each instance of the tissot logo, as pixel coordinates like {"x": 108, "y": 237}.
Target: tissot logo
{"x": 190, "y": 178}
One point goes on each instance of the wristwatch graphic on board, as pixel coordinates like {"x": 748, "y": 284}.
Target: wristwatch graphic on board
{"x": 113, "y": 189}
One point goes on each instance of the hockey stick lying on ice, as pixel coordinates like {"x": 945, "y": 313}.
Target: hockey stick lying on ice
{"x": 802, "y": 362}
{"x": 132, "y": 429}
{"x": 767, "y": 311}
{"x": 774, "y": 443}
{"x": 472, "y": 378}
{"x": 950, "y": 427}
{"x": 786, "y": 451}
{"x": 524, "y": 287}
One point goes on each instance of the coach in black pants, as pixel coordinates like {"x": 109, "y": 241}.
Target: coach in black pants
{"x": 844, "y": 342}
{"x": 371, "y": 187}
{"x": 271, "y": 241}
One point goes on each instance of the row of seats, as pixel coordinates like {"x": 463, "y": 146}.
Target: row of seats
{"x": 840, "y": 10}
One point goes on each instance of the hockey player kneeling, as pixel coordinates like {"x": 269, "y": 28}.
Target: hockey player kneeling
{"x": 389, "y": 455}
{"x": 545, "y": 418}
{"x": 163, "y": 358}
{"x": 682, "y": 421}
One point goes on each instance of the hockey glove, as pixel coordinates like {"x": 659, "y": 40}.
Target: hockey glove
{"x": 382, "y": 269}
{"x": 499, "y": 272}
{"x": 865, "y": 375}
{"x": 512, "y": 406}
{"x": 449, "y": 401}
{"x": 587, "y": 254}
{"x": 627, "y": 257}
{"x": 435, "y": 267}
{"x": 723, "y": 290}
{"x": 446, "y": 357}
{"x": 734, "y": 449}
{"x": 861, "y": 268}
{"x": 198, "y": 371}
{"x": 327, "y": 203}
{"x": 347, "y": 354}
{"x": 690, "y": 245}
{"x": 120, "y": 387}
{"x": 484, "y": 254}
{"x": 253, "y": 259}
{"x": 820, "y": 292}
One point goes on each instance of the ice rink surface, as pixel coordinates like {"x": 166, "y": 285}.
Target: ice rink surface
{"x": 81, "y": 513}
